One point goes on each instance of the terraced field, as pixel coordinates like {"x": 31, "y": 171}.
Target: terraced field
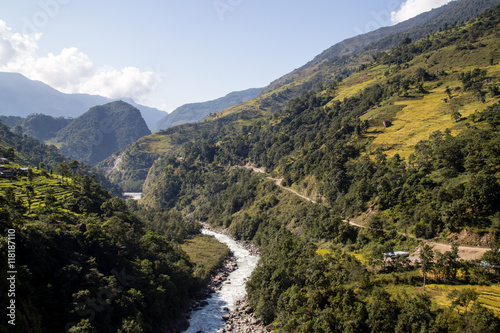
{"x": 57, "y": 185}
{"x": 489, "y": 296}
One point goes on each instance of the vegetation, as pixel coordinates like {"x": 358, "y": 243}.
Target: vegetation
{"x": 101, "y": 131}
{"x": 324, "y": 144}
{"x": 90, "y": 262}
{"x": 347, "y": 137}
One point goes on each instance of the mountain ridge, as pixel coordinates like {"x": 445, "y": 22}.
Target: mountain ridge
{"x": 193, "y": 112}
{"x": 14, "y": 88}
{"x": 272, "y": 99}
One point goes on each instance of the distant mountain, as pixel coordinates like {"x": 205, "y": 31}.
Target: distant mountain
{"x": 20, "y": 96}
{"x": 101, "y": 131}
{"x": 194, "y": 112}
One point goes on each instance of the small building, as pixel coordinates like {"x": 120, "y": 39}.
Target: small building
{"x": 7, "y": 173}
{"x": 394, "y": 255}
{"x": 22, "y": 171}
{"x": 4, "y": 160}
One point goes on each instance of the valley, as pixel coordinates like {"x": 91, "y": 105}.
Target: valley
{"x": 368, "y": 179}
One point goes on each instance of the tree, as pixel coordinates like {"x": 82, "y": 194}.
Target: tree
{"x": 49, "y": 199}
{"x": 463, "y": 298}
{"x": 112, "y": 205}
{"x": 383, "y": 312}
{"x": 30, "y": 194}
{"x": 10, "y": 154}
{"x": 447, "y": 264}
{"x": 416, "y": 314}
{"x": 74, "y": 165}
{"x": 376, "y": 227}
{"x": 427, "y": 260}
{"x": 18, "y": 130}
{"x": 456, "y": 116}
{"x": 31, "y": 175}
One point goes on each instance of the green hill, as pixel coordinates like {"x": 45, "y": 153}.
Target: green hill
{"x": 70, "y": 242}
{"x": 38, "y": 126}
{"x": 101, "y": 131}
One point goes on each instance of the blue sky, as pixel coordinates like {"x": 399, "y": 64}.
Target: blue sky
{"x": 166, "y": 53}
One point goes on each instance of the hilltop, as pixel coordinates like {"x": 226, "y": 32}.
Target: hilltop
{"x": 101, "y": 131}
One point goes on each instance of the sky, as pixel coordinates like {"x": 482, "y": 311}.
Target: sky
{"x": 166, "y": 53}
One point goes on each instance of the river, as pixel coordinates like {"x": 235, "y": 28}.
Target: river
{"x": 209, "y": 318}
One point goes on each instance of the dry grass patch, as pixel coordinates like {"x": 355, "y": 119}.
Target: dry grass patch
{"x": 206, "y": 253}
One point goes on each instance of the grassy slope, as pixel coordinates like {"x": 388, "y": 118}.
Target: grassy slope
{"x": 414, "y": 118}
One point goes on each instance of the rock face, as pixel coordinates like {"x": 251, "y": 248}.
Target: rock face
{"x": 243, "y": 320}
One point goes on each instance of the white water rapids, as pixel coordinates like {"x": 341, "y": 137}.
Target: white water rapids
{"x": 209, "y": 318}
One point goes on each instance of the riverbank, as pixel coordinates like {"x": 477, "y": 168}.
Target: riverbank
{"x": 222, "y": 307}
{"x": 243, "y": 320}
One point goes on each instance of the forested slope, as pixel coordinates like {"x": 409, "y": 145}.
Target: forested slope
{"x": 409, "y": 139}
{"x": 85, "y": 261}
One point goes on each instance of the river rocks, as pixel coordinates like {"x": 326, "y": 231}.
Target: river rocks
{"x": 226, "y": 287}
{"x": 242, "y": 319}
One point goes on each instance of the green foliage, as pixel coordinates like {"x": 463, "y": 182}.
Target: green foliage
{"x": 101, "y": 131}
{"x": 89, "y": 263}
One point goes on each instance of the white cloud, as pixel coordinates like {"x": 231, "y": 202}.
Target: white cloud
{"x": 71, "y": 71}
{"x": 411, "y": 8}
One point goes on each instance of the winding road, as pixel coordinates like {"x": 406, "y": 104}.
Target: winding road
{"x": 464, "y": 252}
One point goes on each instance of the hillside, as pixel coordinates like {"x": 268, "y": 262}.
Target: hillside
{"x": 43, "y": 99}
{"x": 67, "y": 231}
{"x": 194, "y": 112}
{"x": 101, "y": 131}
{"x": 343, "y": 177}
{"x": 27, "y": 151}
{"x": 39, "y": 126}
{"x": 405, "y": 148}
{"x": 324, "y": 70}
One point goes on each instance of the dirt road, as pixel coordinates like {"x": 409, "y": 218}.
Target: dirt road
{"x": 464, "y": 252}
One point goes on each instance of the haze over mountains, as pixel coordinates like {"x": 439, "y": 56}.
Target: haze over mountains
{"x": 20, "y": 96}
{"x": 194, "y": 112}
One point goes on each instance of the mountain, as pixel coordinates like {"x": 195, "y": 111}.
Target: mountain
{"x": 339, "y": 185}
{"x": 344, "y": 57}
{"x": 340, "y": 60}
{"x": 194, "y": 112}
{"x": 101, "y": 131}
{"x": 20, "y": 96}
{"x": 396, "y": 157}
{"x": 68, "y": 231}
